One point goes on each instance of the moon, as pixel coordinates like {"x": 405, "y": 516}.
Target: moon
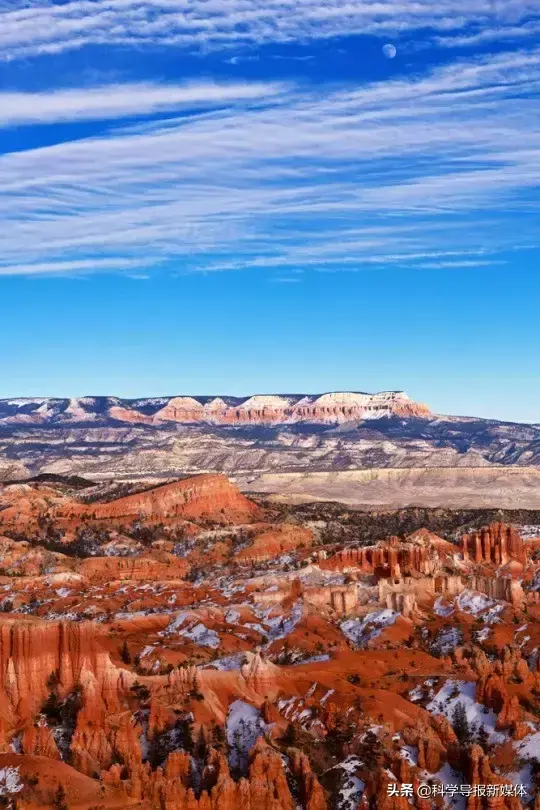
{"x": 389, "y": 51}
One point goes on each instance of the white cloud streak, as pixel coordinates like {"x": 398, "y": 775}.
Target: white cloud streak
{"x": 122, "y": 100}
{"x": 429, "y": 169}
{"x": 70, "y": 267}
{"x": 51, "y": 28}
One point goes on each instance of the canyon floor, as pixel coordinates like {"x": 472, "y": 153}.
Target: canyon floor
{"x": 187, "y": 647}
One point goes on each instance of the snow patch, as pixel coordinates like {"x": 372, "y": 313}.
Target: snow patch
{"x": 477, "y": 604}
{"x": 194, "y": 631}
{"x": 352, "y": 787}
{"x": 10, "y": 781}
{"x": 464, "y": 692}
{"x": 362, "y": 631}
{"x": 277, "y": 627}
{"x": 227, "y": 663}
{"x": 243, "y": 726}
{"x": 447, "y": 640}
{"x": 442, "y": 607}
{"x": 421, "y": 690}
{"x": 447, "y": 776}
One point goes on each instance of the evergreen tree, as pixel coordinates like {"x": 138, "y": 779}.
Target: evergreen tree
{"x": 125, "y": 654}
{"x": 290, "y": 736}
{"x": 159, "y": 748}
{"x": 141, "y": 692}
{"x": 183, "y": 734}
{"x": 219, "y": 740}
{"x": 371, "y": 751}
{"x": 237, "y": 752}
{"x": 201, "y": 748}
{"x": 52, "y": 709}
{"x": 482, "y": 738}
{"x": 60, "y": 799}
{"x": 461, "y": 724}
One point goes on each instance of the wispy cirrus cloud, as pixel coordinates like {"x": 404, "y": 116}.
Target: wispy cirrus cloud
{"x": 418, "y": 170}
{"x": 461, "y": 264}
{"x": 109, "y": 102}
{"x": 69, "y": 267}
{"x": 51, "y": 28}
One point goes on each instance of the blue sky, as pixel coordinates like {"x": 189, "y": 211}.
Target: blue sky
{"x": 230, "y": 196}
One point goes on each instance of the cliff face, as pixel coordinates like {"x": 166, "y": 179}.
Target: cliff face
{"x": 420, "y": 553}
{"x": 496, "y": 544}
{"x": 388, "y": 450}
{"x": 259, "y": 409}
{"x": 32, "y": 653}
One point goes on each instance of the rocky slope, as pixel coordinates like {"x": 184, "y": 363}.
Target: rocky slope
{"x": 182, "y": 648}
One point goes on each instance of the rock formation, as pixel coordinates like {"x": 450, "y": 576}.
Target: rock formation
{"x": 275, "y": 541}
{"x": 210, "y": 496}
{"x": 421, "y": 553}
{"x": 259, "y": 409}
{"x": 157, "y": 652}
{"x": 496, "y": 544}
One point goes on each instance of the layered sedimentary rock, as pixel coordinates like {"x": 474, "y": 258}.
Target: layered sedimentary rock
{"x": 142, "y": 568}
{"x": 342, "y": 599}
{"x": 259, "y": 409}
{"x": 496, "y": 544}
{"x": 209, "y": 496}
{"x": 275, "y": 541}
{"x": 401, "y": 602}
{"x": 502, "y": 588}
{"x": 506, "y": 588}
{"x": 479, "y": 772}
{"x": 32, "y": 653}
{"x": 237, "y": 666}
{"x": 392, "y": 558}
{"x": 206, "y": 497}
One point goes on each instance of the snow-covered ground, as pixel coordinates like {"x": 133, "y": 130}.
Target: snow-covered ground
{"x": 464, "y": 692}
{"x": 422, "y": 689}
{"x": 352, "y": 787}
{"x": 244, "y": 724}
{"x": 529, "y": 531}
{"x": 410, "y": 753}
{"x": 527, "y": 749}
{"x": 472, "y": 602}
{"x": 482, "y": 635}
{"x": 10, "y": 781}
{"x": 227, "y": 663}
{"x": 442, "y": 607}
{"x": 314, "y": 659}
{"x": 194, "y": 630}
{"x": 361, "y": 631}
{"x": 276, "y": 627}
{"x": 447, "y": 640}
{"x": 478, "y": 604}
{"x": 447, "y": 776}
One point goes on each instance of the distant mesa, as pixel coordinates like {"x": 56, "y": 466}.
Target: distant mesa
{"x": 330, "y": 408}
